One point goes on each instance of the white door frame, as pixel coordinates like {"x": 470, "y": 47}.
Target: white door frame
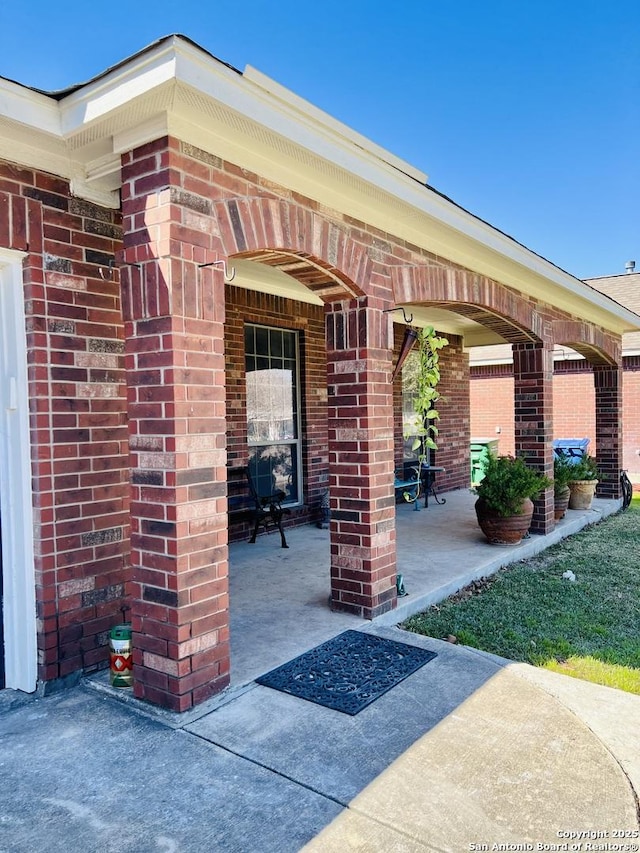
{"x": 16, "y": 502}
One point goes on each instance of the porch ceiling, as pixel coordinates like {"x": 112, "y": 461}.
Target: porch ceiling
{"x": 491, "y": 327}
{"x": 473, "y": 333}
{"x": 327, "y": 285}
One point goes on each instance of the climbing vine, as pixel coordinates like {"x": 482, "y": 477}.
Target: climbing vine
{"x": 423, "y": 387}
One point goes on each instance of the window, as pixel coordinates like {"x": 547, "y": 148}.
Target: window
{"x": 271, "y": 364}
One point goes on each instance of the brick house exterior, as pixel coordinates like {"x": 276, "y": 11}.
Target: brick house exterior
{"x": 574, "y": 414}
{"x": 147, "y": 218}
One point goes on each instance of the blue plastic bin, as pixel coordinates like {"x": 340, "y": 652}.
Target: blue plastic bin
{"x": 572, "y": 449}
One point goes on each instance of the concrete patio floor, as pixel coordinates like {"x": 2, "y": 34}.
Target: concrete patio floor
{"x": 279, "y": 598}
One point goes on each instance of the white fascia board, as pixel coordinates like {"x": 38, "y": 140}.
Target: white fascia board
{"x": 331, "y": 141}
{"x": 318, "y": 116}
{"x": 292, "y": 118}
{"x": 29, "y": 108}
{"x": 34, "y": 150}
{"x": 115, "y": 90}
{"x": 272, "y": 107}
{"x": 31, "y": 135}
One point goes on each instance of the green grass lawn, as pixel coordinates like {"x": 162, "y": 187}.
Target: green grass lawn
{"x": 589, "y": 628}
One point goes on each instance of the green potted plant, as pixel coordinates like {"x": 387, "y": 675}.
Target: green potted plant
{"x": 563, "y": 473}
{"x": 583, "y": 482}
{"x": 504, "y": 507}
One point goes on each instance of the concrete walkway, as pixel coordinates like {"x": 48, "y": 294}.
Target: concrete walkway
{"x": 279, "y": 598}
{"x": 516, "y": 763}
{"x": 468, "y": 750}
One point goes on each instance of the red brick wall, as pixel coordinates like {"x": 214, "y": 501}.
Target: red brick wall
{"x": 533, "y": 405}
{"x": 455, "y": 418}
{"x": 631, "y": 419}
{"x": 573, "y": 405}
{"x": 492, "y": 409}
{"x": 574, "y": 412}
{"x": 607, "y": 380}
{"x": 361, "y": 457}
{"x": 78, "y": 420}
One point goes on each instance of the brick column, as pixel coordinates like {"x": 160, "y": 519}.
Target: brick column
{"x": 607, "y": 381}
{"x": 360, "y": 421}
{"x": 533, "y": 420}
{"x": 174, "y": 315}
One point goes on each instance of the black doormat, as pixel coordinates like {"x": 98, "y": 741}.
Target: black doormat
{"x": 348, "y": 672}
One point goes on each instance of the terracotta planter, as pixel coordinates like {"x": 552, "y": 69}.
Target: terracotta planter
{"x": 582, "y": 492}
{"x": 561, "y": 502}
{"x": 504, "y": 530}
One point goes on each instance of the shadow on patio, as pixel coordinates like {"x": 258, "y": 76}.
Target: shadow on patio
{"x": 279, "y": 598}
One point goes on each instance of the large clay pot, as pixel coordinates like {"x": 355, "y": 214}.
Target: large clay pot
{"x": 561, "y": 502}
{"x": 582, "y": 492}
{"x": 504, "y": 530}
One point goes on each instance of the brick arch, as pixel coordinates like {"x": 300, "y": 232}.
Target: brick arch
{"x": 593, "y": 344}
{"x": 503, "y": 310}
{"x": 506, "y": 327}
{"x": 297, "y": 240}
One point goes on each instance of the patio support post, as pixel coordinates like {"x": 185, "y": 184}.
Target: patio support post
{"x": 607, "y": 379}
{"x": 533, "y": 413}
{"x": 361, "y": 458}
{"x": 174, "y": 316}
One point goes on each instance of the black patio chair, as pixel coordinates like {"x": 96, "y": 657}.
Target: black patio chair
{"x": 268, "y": 510}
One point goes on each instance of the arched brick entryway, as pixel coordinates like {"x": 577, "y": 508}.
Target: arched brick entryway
{"x": 518, "y": 321}
{"x": 533, "y": 329}
{"x": 336, "y": 267}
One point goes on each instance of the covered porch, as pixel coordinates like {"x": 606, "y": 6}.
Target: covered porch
{"x": 279, "y": 599}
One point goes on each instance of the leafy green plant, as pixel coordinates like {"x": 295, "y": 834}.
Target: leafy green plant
{"x": 507, "y": 482}
{"x": 425, "y": 393}
{"x": 585, "y": 469}
{"x": 563, "y": 473}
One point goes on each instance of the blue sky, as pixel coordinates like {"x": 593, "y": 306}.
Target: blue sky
{"x": 525, "y": 112}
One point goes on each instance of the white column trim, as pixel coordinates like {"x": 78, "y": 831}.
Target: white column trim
{"x": 16, "y": 499}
